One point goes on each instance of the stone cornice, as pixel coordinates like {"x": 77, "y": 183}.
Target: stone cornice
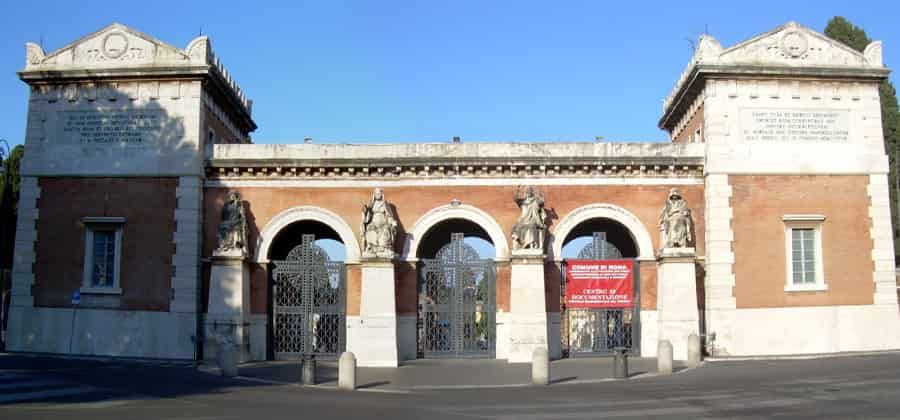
{"x": 481, "y": 160}
{"x": 689, "y": 90}
{"x": 790, "y": 50}
{"x": 122, "y": 53}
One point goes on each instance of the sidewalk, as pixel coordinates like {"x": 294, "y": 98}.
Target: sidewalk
{"x": 455, "y": 373}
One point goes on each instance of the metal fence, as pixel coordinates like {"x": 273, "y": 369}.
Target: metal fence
{"x": 600, "y": 332}
{"x": 308, "y": 308}
{"x": 457, "y": 303}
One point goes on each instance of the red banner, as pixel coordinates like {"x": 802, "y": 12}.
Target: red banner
{"x": 599, "y": 283}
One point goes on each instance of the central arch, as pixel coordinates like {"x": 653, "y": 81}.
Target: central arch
{"x": 639, "y": 233}
{"x": 451, "y": 211}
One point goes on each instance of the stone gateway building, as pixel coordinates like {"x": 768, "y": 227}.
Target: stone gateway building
{"x": 150, "y": 226}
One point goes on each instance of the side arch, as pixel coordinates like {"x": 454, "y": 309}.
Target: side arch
{"x": 460, "y": 211}
{"x": 300, "y": 213}
{"x": 605, "y": 211}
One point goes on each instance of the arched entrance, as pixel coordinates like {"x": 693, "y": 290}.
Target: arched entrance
{"x": 308, "y": 291}
{"x": 601, "y": 331}
{"x": 456, "y": 292}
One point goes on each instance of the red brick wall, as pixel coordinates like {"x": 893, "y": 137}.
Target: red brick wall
{"x": 695, "y": 122}
{"x": 212, "y": 122}
{"x": 648, "y": 285}
{"x": 644, "y": 201}
{"x": 148, "y": 205}
{"x": 760, "y": 202}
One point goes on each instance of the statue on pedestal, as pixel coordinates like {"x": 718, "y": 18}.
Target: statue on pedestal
{"x": 676, "y": 225}
{"x": 232, "y": 227}
{"x": 379, "y": 227}
{"x": 530, "y": 230}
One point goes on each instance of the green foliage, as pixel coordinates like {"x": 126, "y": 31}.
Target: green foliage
{"x": 10, "y": 179}
{"x": 840, "y": 29}
{"x": 9, "y": 203}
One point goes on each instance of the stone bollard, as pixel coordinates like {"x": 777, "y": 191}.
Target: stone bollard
{"x": 540, "y": 366}
{"x": 693, "y": 350}
{"x": 308, "y": 370}
{"x": 347, "y": 371}
{"x": 227, "y": 359}
{"x": 664, "y": 358}
{"x": 620, "y": 363}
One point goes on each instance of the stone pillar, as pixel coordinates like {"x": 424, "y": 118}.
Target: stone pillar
{"x": 527, "y": 306}
{"x": 677, "y": 299}
{"x": 373, "y": 337}
{"x": 227, "y": 317}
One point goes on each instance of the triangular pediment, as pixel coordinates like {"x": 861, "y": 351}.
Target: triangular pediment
{"x": 113, "y": 46}
{"x": 793, "y": 44}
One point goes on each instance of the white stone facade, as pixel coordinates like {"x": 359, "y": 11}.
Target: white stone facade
{"x": 109, "y": 106}
{"x": 791, "y": 70}
{"x": 26, "y": 235}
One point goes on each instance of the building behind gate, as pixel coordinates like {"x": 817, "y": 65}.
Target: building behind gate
{"x": 134, "y": 146}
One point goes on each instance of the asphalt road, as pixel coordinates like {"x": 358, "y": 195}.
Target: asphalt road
{"x": 842, "y": 387}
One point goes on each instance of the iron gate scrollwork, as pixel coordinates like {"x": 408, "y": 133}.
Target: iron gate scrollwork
{"x": 601, "y": 331}
{"x": 308, "y": 306}
{"x": 457, "y": 316}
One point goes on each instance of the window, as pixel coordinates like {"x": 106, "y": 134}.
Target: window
{"x": 103, "y": 244}
{"x": 803, "y": 246}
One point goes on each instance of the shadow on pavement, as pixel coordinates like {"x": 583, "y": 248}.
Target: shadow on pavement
{"x": 84, "y": 380}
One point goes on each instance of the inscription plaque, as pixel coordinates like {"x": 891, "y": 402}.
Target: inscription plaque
{"x": 795, "y": 125}
{"x": 132, "y": 128}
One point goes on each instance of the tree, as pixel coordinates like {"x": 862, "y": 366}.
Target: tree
{"x": 9, "y": 202}
{"x": 840, "y": 29}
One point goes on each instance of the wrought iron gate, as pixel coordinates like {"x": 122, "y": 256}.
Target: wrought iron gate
{"x": 457, "y": 315}
{"x": 601, "y": 331}
{"x": 308, "y": 306}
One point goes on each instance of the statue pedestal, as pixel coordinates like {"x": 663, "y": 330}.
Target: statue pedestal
{"x": 227, "y": 315}
{"x": 527, "y": 306}
{"x": 372, "y": 336}
{"x": 677, "y": 299}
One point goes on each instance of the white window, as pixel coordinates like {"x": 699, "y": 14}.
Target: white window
{"x": 102, "y": 252}
{"x": 698, "y": 135}
{"x": 803, "y": 251}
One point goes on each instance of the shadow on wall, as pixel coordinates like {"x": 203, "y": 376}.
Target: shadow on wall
{"x": 401, "y": 236}
{"x": 108, "y": 138}
{"x": 111, "y": 131}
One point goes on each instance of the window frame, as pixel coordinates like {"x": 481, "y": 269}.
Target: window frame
{"x": 815, "y": 222}
{"x": 91, "y": 225}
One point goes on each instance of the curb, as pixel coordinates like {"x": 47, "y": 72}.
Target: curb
{"x": 211, "y": 370}
{"x": 801, "y": 356}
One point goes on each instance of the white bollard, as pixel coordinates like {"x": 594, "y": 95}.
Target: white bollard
{"x": 228, "y": 360}
{"x": 693, "y": 350}
{"x": 664, "y": 357}
{"x": 540, "y": 366}
{"x": 347, "y": 371}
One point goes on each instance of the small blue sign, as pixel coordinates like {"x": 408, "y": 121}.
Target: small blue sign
{"x": 76, "y": 297}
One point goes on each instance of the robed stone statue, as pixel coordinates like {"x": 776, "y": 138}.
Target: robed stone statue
{"x": 529, "y": 231}
{"x": 379, "y": 227}
{"x": 233, "y": 226}
{"x": 676, "y": 225}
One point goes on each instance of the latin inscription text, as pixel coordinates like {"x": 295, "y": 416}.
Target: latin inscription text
{"x": 795, "y": 125}
{"x": 110, "y": 127}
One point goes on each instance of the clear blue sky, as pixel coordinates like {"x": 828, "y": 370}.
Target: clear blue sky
{"x": 385, "y": 71}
